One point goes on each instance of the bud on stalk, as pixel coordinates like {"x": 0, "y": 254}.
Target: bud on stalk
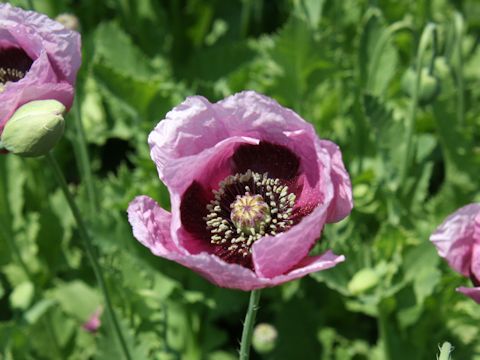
{"x": 34, "y": 128}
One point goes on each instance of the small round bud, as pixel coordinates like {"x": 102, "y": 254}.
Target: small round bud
{"x": 70, "y": 21}
{"x": 264, "y": 338}
{"x": 34, "y": 128}
{"x": 362, "y": 281}
{"x": 429, "y": 86}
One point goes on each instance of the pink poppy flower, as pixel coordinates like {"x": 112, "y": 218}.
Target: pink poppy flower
{"x": 94, "y": 322}
{"x": 251, "y": 187}
{"x": 39, "y": 59}
{"x": 458, "y": 241}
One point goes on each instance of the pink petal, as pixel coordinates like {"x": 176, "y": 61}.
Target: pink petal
{"x": 56, "y": 56}
{"x": 197, "y": 125}
{"x": 454, "y": 238}
{"x": 342, "y": 203}
{"x": 309, "y": 265}
{"x": 94, "y": 322}
{"x": 188, "y": 129}
{"x": 475, "y": 268}
{"x": 21, "y": 95}
{"x": 62, "y": 45}
{"x": 151, "y": 226}
{"x": 474, "y": 293}
{"x": 274, "y": 255}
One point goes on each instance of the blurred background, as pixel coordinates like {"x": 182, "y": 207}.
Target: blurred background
{"x": 350, "y": 68}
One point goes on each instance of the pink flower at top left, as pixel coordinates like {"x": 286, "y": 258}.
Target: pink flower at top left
{"x": 39, "y": 60}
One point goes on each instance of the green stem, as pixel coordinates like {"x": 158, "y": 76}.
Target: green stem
{"x": 459, "y": 70}
{"x": 30, "y": 5}
{"x": 248, "y": 325}
{"x": 6, "y": 230}
{"x": 426, "y": 38}
{"x": 90, "y": 252}
{"x": 53, "y": 337}
{"x": 84, "y": 159}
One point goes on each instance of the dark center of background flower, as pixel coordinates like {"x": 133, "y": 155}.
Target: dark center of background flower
{"x": 474, "y": 279}
{"x": 14, "y": 65}
{"x": 247, "y": 207}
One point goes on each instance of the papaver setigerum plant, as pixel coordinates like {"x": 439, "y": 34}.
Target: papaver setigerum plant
{"x": 221, "y": 180}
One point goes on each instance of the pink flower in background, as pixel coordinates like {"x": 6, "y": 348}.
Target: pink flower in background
{"x": 458, "y": 241}
{"x": 94, "y": 322}
{"x": 251, "y": 187}
{"x": 39, "y": 59}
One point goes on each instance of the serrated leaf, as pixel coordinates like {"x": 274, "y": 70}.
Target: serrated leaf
{"x": 298, "y": 55}
{"x": 377, "y": 56}
{"x": 77, "y": 299}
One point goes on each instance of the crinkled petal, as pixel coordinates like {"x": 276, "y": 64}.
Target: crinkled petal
{"x": 151, "y": 226}
{"x": 274, "y": 255}
{"x": 342, "y": 203}
{"x": 61, "y": 44}
{"x": 188, "y": 129}
{"x": 56, "y": 56}
{"x": 196, "y": 125}
{"x": 234, "y": 276}
{"x": 309, "y": 265}
{"x": 475, "y": 267}
{"x": 19, "y": 96}
{"x": 474, "y": 293}
{"x": 454, "y": 238}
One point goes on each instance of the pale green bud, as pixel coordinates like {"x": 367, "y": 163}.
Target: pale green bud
{"x": 34, "y": 128}
{"x": 70, "y": 21}
{"x": 264, "y": 338}
{"x": 429, "y": 85}
{"x": 362, "y": 281}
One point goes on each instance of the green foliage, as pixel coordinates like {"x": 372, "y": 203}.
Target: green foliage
{"x": 340, "y": 65}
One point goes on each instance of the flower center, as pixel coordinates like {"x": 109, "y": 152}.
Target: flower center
{"x": 250, "y": 213}
{"x": 247, "y": 207}
{"x": 14, "y": 65}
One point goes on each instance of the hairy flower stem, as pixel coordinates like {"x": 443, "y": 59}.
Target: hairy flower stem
{"x": 30, "y": 5}
{"x": 428, "y": 37}
{"x": 248, "y": 325}
{"x": 459, "y": 29}
{"x": 83, "y": 157}
{"x": 90, "y": 252}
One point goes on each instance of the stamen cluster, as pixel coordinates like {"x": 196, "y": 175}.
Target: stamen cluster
{"x": 10, "y": 74}
{"x": 247, "y": 207}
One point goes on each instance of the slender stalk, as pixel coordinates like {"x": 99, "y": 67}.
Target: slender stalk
{"x": 30, "y": 5}
{"x": 6, "y": 230}
{"x": 384, "y": 333}
{"x": 90, "y": 252}
{"x": 248, "y": 325}
{"x": 84, "y": 159}
{"x": 426, "y": 38}
{"x": 459, "y": 70}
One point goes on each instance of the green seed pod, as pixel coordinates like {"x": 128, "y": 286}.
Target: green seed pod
{"x": 34, "y": 128}
{"x": 362, "y": 281}
{"x": 264, "y": 338}
{"x": 429, "y": 86}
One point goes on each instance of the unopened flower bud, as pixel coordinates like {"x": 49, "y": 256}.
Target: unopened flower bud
{"x": 429, "y": 85}
{"x": 34, "y": 128}
{"x": 264, "y": 338}
{"x": 362, "y": 281}
{"x": 70, "y": 21}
